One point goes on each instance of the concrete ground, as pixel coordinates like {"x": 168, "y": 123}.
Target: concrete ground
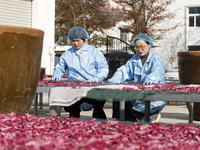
{"x": 173, "y": 112}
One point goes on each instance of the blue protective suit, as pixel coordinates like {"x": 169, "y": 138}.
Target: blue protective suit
{"x": 86, "y": 66}
{"x": 151, "y": 72}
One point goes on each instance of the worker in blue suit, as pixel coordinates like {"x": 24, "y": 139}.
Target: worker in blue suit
{"x": 145, "y": 67}
{"x": 84, "y": 63}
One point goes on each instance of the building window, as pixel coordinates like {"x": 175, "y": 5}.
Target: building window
{"x": 194, "y": 17}
{"x": 194, "y": 10}
{"x": 194, "y": 48}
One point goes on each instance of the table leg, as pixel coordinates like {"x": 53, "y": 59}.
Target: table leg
{"x": 41, "y": 101}
{"x": 191, "y": 109}
{"x": 59, "y": 110}
{"x": 147, "y": 111}
{"x": 122, "y": 110}
{"x": 36, "y": 104}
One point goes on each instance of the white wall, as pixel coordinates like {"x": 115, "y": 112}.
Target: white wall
{"x": 173, "y": 41}
{"x": 43, "y": 17}
{"x": 178, "y": 39}
{"x": 16, "y": 13}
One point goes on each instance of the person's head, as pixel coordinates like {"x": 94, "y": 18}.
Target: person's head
{"x": 77, "y": 35}
{"x": 142, "y": 43}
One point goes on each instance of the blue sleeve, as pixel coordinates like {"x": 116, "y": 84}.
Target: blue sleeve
{"x": 157, "y": 72}
{"x": 101, "y": 66}
{"x": 61, "y": 67}
{"x": 123, "y": 73}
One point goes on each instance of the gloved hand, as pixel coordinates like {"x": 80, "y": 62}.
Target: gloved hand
{"x": 56, "y": 78}
{"x": 116, "y": 78}
{"x": 113, "y": 80}
{"x": 147, "y": 83}
{"x": 95, "y": 79}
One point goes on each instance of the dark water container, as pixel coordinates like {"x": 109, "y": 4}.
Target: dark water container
{"x": 20, "y": 61}
{"x": 42, "y": 73}
{"x": 189, "y": 67}
{"x": 189, "y": 73}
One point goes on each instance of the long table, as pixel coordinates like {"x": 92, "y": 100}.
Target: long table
{"x": 117, "y": 95}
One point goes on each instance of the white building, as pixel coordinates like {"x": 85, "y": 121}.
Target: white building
{"x": 38, "y": 14}
{"x": 185, "y": 37}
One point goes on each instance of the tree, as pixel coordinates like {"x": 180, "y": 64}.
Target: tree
{"x": 141, "y": 16}
{"x": 84, "y": 13}
{"x": 146, "y": 15}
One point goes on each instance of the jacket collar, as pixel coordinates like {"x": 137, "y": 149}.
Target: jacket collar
{"x": 138, "y": 59}
{"x": 85, "y": 48}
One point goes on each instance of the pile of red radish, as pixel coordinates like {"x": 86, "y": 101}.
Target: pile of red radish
{"x": 60, "y": 83}
{"x": 169, "y": 86}
{"x": 27, "y": 132}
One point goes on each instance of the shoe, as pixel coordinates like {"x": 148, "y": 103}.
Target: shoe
{"x": 157, "y": 118}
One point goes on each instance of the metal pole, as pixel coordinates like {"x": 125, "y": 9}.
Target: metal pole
{"x": 147, "y": 111}
{"x": 107, "y": 45}
{"x": 191, "y": 109}
{"x": 41, "y": 101}
{"x": 122, "y": 110}
{"x": 36, "y": 104}
{"x": 59, "y": 110}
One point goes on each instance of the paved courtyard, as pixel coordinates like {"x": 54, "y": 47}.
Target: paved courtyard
{"x": 173, "y": 112}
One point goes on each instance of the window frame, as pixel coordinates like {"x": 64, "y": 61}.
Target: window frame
{"x": 195, "y": 15}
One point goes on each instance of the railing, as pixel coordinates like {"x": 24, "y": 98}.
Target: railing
{"x": 116, "y": 45}
{"x": 118, "y": 52}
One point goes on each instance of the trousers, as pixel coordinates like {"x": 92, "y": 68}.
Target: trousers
{"x": 131, "y": 114}
{"x": 98, "y": 112}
